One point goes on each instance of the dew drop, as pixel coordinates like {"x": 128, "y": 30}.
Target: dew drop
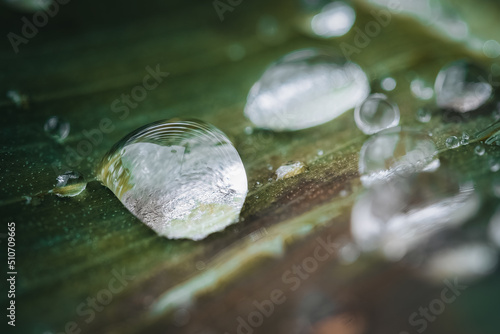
{"x": 398, "y": 215}
{"x": 20, "y": 100}
{"x": 494, "y": 165}
{"x": 479, "y": 150}
{"x": 196, "y": 191}
{"x": 465, "y": 139}
{"x": 290, "y": 169}
{"x": 423, "y": 115}
{"x": 491, "y": 49}
{"x": 320, "y": 152}
{"x": 376, "y": 113}
{"x": 388, "y": 84}
{"x": 460, "y": 86}
{"x": 304, "y": 89}
{"x": 333, "y": 20}
{"x": 69, "y": 184}
{"x": 396, "y": 152}
{"x": 57, "y": 128}
{"x": 452, "y": 142}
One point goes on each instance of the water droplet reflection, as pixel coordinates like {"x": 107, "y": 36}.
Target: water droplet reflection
{"x": 57, "y": 128}
{"x": 290, "y": 169}
{"x": 334, "y": 20}
{"x": 304, "y": 89}
{"x": 184, "y": 179}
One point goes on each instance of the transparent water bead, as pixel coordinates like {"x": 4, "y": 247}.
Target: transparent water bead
{"x": 335, "y": 19}
{"x": 304, "y": 89}
{"x": 69, "y": 184}
{"x": 57, "y": 128}
{"x": 398, "y": 215}
{"x": 376, "y": 113}
{"x": 396, "y": 152}
{"x": 290, "y": 169}
{"x": 424, "y": 115}
{"x": 452, "y": 142}
{"x": 461, "y": 86}
{"x": 183, "y": 179}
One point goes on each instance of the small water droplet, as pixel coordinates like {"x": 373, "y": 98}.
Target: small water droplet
{"x": 333, "y": 20}
{"x": 494, "y": 165}
{"x": 461, "y": 86}
{"x": 320, "y": 152}
{"x": 491, "y": 49}
{"x": 69, "y": 184}
{"x": 236, "y": 52}
{"x": 479, "y": 150}
{"x": 452, "y": 142}
{"x": 304, "y": 89}
{"x": 376, "y": 113}
{"x": 465, "y": 139}
{"x": 269, "y": 167}
{"x": 57, "y": 128}
{"x": 396, "y": 152}
{"x": 290, "y": 169}
{"x": 192, "y": 193}
{"x": 248, "y": 130}
{"x": 424, "y": 115}
{"x": 20, "y": 100}
{"x": 388, "y": 84}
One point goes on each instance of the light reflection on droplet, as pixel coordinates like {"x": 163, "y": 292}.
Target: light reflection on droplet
{"x": 304, "y": 89}
{"x": 184, "y": 179}
{"x": 398, "y": 215}
{"x": 479, "y": 150}
{"x": 461, "y": 86}
{"x": 334, "y": 20}
{"x": 452, "y": 142}
{"x": 423, "y": 115}
{"x": 396, "y": 152}
{"x": 376, "y": 113}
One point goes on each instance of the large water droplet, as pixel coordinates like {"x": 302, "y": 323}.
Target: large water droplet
{"x": 69, "y": 184}
{"x": 376, "y": 113}
{"x": 398, "y": 215}
{"x": 184, "y": 179}
{"x": 452, "y": 142}
{"x": 305, "y": 88}
{"x": 461, "y": 86}
{"x": 396, "y": 152}
{"x": 57, "y": 128}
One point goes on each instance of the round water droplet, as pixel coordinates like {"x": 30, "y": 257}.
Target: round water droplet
{"x": 398, "y": 215}
{"x": 491, "y": 49}
{"x": 69, "y": 184}
{"x": 332, "y": 20}
{"x": 388, "y": 84}
{"x": 494, "y": 165}
{"x": 396, "y": 152}
{"x": 320, "y": 152}
{"x": 424, "y": 115}
{"x": 304, "y": 89}
{"x": 290, "y": 169}
{"x": 184, "y": 179}
{"x": 57, "y": 128}
{"x": 461, "y": 86}
{"x": 452, "y": 142}
{"x": 376, "y": 113}
{"x": 479, "y": 150}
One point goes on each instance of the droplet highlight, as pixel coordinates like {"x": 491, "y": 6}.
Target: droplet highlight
{"x": 376, "y": 113}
